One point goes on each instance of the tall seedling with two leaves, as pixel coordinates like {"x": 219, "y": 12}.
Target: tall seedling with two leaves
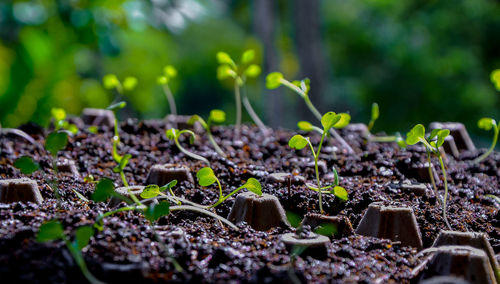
{"x": 169, "y": 72}
{"x": 328, "y": 121}
{"x": 276, "y": 79}
{"x": 216, "y": 116}
{"x": 432, "y": 144}
{"x": 487, "y": 124}
{"x": 240, "y": 73}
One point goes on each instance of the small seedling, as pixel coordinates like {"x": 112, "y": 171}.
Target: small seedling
{"x": 169, "y": 72}
{"x": 487, "y": 124}
{"x": 111, "y": 82}
{"x": 60, "y": 122}
{"x": 374, "y": 116}
{"x": 174, "y": 134}
{"x": 432, "y": 144}
{"x": 53, "y": 231}
{"x": 395, "y": 138}
{"x": 206, "y": 177}
{"x": 276, "y": 79}
{"x": 216, "y": 116}
{"x": 328, "y": 121}
{"x": 495, "y": 78}
{"x": 239, "y": 73}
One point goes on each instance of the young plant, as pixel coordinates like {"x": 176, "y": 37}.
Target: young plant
{"x": 276, "y": 79}
{"x": 169, "y": 72}
{"x": 374, "y": 116}
{"x": 174, "y": 134}
{"x": 60, "y": 122}
{"x": 395, "y": 138}
{"x": 111, "y": 82}
{"x": 487, "y": 124}
{"x": 432, "y": 144}
{"x": 53, "y": 231}
{"x": 216, "y": 116}
{"x": 206, "y": 177}
{"x": 328, "y": 121}
{"x": 121, "y": 160}
{"x": 239, "y": 73}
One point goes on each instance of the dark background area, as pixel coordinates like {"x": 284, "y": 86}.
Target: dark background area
{"x": 421, "y": 61}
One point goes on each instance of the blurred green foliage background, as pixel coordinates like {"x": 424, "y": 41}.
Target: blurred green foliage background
{"x": 422, "y": 61}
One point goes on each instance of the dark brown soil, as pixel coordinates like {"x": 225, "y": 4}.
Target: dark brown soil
{"x": 127, "y": 251}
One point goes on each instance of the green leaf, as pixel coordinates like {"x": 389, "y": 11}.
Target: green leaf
{"x": 434, "y": 133}
{"x": 224, "y": 72}
{"x": 103, "y": 190}
{"x": 273, "y": 80}
{"x": 224, "y": 58}
{"x": 156, "y": 211}
{"x": 206, "y": 176}
{"x": 326, "y": 229}
{"x": 329, "y": 119}
{"x": 253, "y": 185}
{"x": 83, "y": 235}
{"x": 297, "y": 142}
{"x": 400, "y": 141}
{"x": 248, "y": 56}
{"x": 110, "y": 81}
{"x": 117, "y": 106}
{"x": 129, "y": 83}
{"x": 170, "y": 71}
{"x": 253, "y": 71}
{"x": 441, "y": 135}
{"x": 340, "y": 192}
{"x": 414, "y": 136}
{"x": 344, "y": 120}
{"x": 305, "y": 125}
{"x": 93, "y": 129}
{"x": 293, "y": 219}
{"x": 486, "y": 123}
{"x": 72, "y": 128}
{"x": 50, "y": 231}
{"x": 26, "y": 165}
{"x": 305, "y": 85}
{"x": 58, "y": 113}
{"x": 80, "y": 196}
{"x": 495, "y": 78}
{"x": 150, "y": 191}
{"x": 171, "y": 133}
{"x": 217, "y": 116}
{"x": 169, "y": 185}
{"x": 162, "y": 80}
{"x": 55, "y": 142}
{"x": 375, "y": 111}
{"x": 335, "y": 176}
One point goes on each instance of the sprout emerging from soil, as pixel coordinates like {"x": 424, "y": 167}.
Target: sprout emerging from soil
{"x": 206, "y": 177}
{"x": 328, "y": 121}
{"x": 276, "y": 79}
{"x": 53, "y": 231}
{"x": 169, "y": 72}
{"x": 432, "y": 144}
{"x": 174, "y": 134}
{"x": 216, "y": 116}
{"x": 374, "y": 116}
{"x": 375, "y": 113}
{"x": 239, "y": 73}
{"x": 487, "y": 124}
{"x": 60, "y": 122}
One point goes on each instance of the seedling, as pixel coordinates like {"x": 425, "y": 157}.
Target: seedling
{"x": 206, "y": 177}
{"x": 53, "y": 231}
{"x": 276, "y": 79}
{"x": 328, "y": 121}
{"x": 174, "y": 134}
{"x": 374, "y": 116}
{"x": 240, "y": 73}
{"x": 169, "y": 72}
{"x": 487, "y": 124}
{"x": 495, "y": 78}
{"x": 432, "y": 144}
{"x": 111, "y": 82}
{"x": 216, "y": 116}
{"x": 60, "y": 122}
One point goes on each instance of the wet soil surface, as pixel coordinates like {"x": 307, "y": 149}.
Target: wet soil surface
{"x": 126, "y": 250}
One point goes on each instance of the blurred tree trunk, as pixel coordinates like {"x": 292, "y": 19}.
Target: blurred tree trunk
{"x": 312, "y": 58}
{"x": 264, "y": 22}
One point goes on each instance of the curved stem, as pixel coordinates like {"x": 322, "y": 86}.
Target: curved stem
{"x": 204, "y": 211}
{"x": 316, "y": 157}
{"x": 170, "y": 99}
{"x": 253, "y": 115}
{"x": 238, "y": 108}
{"x": 445, "y": 192}
{"x": 492, "y": 147}
{"x": 192, "y": 155}
{"x": 431, "y": 175}
{"x": 216, "y": 146}
{"x": 78, "y": 257}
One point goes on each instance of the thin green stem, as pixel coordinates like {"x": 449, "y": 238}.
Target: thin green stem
{"x": 192, "y": 155}
{"x": 238, "y": 108}
{"x": 374, "y": 138}
{"x": 212, "y": 140}
{"x": 492, "y": 147}
{"x": 170, "y": 99}
{"x": 253, "y": 115}
{"x": 78, "y": 257}
{"x": 431, "y": 175}
{"x": 316, "y": 157}
{"x": 443, "y": 169}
